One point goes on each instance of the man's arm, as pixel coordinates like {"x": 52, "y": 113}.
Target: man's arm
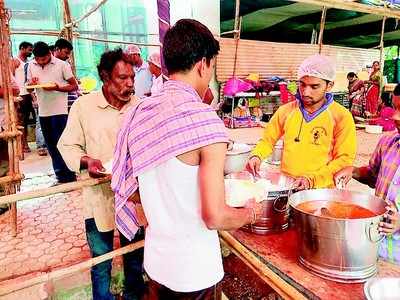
{"x": 69, "y": 77}
{"x": 343, "y": 153}
{"x": 215, "y": 212}
{"x": 70, "y": 87}
{"x": 365, "y": 174}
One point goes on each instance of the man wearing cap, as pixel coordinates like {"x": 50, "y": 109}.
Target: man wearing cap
{"x": 143, "y": 77}
{"x": 155, "y": 69}
{"x": 319, "y": 134}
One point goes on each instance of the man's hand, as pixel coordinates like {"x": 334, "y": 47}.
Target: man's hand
{"x": 56, "y": 87}
{"x": 256, "y": 207}
{"x": 344, "y": 175}
{"x": 392, "y": 221}
{"x": 301, "y": 183}
{"x": 95, "y": 168}
{"x": 253, "y": 165}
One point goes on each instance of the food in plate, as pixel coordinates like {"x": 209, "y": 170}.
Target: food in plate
{"x": 41, "y": 85}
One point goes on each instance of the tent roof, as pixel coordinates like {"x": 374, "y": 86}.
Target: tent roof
{"x": 289, "y": 21}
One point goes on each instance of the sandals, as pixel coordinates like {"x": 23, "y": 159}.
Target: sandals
{"x": 42, "y": 151}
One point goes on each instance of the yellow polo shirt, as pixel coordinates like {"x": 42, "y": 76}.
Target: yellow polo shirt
{"x": 325, "y": 145}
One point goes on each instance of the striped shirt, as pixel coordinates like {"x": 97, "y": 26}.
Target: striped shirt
{"x": 385, "y": 166}
{"x": 384, "y": 162}
{"x": 159, "y": 128}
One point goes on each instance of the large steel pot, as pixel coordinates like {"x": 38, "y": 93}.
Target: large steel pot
{"x": 275, "y": 215}
{"x": 236, "y": 158}
{"x": 344, "y": 250}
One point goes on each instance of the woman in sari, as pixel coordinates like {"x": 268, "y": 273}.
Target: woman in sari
{"x": 386, "y": 113}
{"x": 356, "y": 95}
{"x": 373, "y": 90}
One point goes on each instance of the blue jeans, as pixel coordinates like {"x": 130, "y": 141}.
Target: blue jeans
{"x": 101, "y": 243}
{"x": 40, "y": 143}
{"x": 52, "y": 128}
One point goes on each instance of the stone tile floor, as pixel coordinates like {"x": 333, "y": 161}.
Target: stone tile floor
{"x": 51, "y": 230}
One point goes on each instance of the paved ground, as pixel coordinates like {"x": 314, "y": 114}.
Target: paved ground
{"x": 50, "y": 229}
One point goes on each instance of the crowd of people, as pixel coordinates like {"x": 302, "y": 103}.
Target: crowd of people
{"x": 168, "y": 149}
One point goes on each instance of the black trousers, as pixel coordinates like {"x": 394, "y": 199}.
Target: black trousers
{"x": 52, "y": 128}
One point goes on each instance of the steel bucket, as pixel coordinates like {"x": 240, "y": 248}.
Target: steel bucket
{"x": 275, "y": 215}
{"x": 236, "y": 158}
{"x": 343, "y": 250}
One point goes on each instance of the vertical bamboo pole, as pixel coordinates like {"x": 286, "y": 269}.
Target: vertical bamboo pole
{"x": 381, "y": 53}
{"x": 238, "y": 25}
{"x": 11, "y": 124}
{"x": 321, "y": 29}
{"x": 69, "y": 31}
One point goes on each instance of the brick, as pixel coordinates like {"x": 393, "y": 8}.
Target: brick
{"x": 7, "y": 248}
{"x": 37, "y": 253}
{"x": 50, "y": 238}
{"x": 80, "y": 243}
{"x": 14, "y": 253}
{"x": 71, "y": 239}
{"x": 65, "y": 246}
{"x": 44, "y": 246}
{"x": 74, "y": 250}
{"x": 6, "y": 238}
{"x": 60, "y": 254}
{"x": 45, "y": 258}
{"x": 23, "y": 257}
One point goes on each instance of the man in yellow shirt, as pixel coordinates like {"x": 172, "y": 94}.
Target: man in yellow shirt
{"x": 319, "y": 134}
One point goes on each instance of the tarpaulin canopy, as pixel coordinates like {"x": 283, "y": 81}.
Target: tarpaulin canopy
{"x": 290, "y": 21}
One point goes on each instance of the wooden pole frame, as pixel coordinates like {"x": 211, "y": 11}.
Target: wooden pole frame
{"x": 57, "y": 274}
{"x": 10, "y": 182}
{"x": 69, "y": 34}
{"x": 355, "y": 6}
{"x": 321, "y": 28}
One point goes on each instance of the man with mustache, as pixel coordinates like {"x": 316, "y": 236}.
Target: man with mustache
{"x": 319, "y": 134}
{"x": 86, "y": 144}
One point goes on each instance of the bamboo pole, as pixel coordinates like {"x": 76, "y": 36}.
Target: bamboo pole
{"x": 11, "y": 124}
{"x": 9, "y": 134}
{"x": 237, "y": 39}
{"x": 355, "y": 6}
{"x": 57, "y": 274}
{"x": 10, "y": 179}
{"x": 321, "y": 29}
{"x": 281, "y": 286}
{"x": 62, "y": 188}
{"x": 92, "y": 10}
{"x": 69, "y": 32}
{"x": 381, "y": 43}
{"x": 116, "y": 42}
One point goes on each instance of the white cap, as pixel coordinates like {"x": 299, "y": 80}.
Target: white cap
{"x": 154, "y": 58}
{"x": 132, "y": 49}
{"x": 319, "y": 66}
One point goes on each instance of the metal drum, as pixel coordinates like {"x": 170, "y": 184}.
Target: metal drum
{"x": 343, "y": 250}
